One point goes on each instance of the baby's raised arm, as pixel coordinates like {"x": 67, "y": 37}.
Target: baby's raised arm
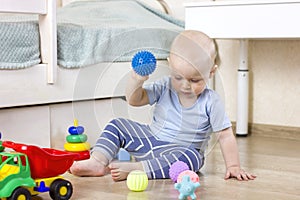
{"x": 143, "y": 64}
{"x": 136, "y": 95}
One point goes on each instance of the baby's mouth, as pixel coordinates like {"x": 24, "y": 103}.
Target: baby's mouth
{"x": 186, "y": 93}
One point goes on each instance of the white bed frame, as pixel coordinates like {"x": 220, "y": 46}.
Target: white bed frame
{"x": 39, "y": 103}
{"x": 46, "y": 9}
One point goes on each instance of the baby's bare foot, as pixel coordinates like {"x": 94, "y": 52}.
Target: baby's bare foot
{"x": 120, "y": 170}
{"x": 90, "y": 167}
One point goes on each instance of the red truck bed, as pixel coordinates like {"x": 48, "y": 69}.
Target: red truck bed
{"x": 44, "y": 162}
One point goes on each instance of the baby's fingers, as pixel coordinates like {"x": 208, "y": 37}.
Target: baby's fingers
{"x": 246, "y": 176}
{"x": 251, "y": 176}
{"x": 227, "y": 175}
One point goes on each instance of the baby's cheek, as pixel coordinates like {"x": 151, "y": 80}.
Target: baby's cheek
{"x": 198, "y": 90}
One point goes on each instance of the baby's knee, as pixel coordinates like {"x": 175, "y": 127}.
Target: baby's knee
{"x": 194, "y": 160}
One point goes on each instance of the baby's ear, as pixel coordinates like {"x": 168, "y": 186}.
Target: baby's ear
{"x": 213, "y": 71}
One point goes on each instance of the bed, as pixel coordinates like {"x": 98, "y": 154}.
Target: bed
{"x": 67, "y": 72}
{"x": 95, "y": 41}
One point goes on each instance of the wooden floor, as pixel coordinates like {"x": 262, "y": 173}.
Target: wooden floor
{"x": 276, "y": 162}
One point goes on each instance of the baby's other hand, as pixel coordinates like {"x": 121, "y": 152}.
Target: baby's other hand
{"x": 238, "y": 173}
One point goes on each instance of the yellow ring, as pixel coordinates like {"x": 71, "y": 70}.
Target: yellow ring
{"x": 77, "y": 147}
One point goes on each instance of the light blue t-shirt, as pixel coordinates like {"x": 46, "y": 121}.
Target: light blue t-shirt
{"x": 191, "y": 126}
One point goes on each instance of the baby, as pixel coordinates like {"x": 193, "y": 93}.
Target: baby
{"x": 186, "y": 113}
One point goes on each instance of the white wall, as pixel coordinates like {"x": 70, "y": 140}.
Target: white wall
{"x": 274, "y": 80}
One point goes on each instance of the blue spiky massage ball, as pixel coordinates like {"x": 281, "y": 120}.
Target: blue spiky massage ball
{"x": 143, "y": 63}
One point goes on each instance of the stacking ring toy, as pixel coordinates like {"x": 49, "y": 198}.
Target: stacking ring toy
{"x": 76, "y": 138}
{"x": 76, "y": 130}
{"x": 77, "y": 147}
{"x": 83, "y": 155}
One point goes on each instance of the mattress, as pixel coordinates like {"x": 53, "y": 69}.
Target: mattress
{"x": 89, "y": 32}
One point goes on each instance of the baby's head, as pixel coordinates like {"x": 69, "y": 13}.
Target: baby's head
{"x": 194, "y": 49}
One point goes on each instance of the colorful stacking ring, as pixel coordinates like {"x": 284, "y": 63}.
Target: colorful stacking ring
{"x": 83, "y": 155}
{"x": 76, "y": 130}
{"x": 76, "y": 138}
{"x": 77, "y": 147}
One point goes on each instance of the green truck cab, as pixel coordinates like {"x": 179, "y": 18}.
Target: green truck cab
{"x": 14, "y": 175}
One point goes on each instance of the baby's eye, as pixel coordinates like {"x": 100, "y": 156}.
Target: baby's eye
{"x": 196, "y": 80}
{"x": 178, "y": 77}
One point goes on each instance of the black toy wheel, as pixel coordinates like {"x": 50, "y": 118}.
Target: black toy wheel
{"x": 61, "y": 189}
{"x": 20, "y": 193}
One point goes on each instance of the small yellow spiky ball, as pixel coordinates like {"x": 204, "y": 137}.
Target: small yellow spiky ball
{"x": 137, "y": 181}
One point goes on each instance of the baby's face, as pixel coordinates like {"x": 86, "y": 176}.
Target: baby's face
{"x": 186, "y": 79}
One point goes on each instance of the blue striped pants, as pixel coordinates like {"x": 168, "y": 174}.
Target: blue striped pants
{"x": 155, "y": 155}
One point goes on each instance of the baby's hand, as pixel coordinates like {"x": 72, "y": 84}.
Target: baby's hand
{"x": 238, "y": 173}
{"x": 139, "y": 77}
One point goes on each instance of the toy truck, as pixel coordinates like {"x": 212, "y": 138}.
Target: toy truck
{"x": 31, "y": 170}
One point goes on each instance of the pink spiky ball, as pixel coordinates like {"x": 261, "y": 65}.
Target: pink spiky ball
{"x": 193, "y": 176}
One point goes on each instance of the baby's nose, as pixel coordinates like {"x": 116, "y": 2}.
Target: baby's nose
{"x": 186, "y": 84}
